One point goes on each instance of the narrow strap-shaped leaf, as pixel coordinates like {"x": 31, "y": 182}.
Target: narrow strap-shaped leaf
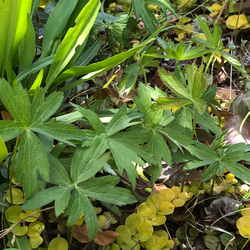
{"x": 95, "y": 69}
{"x": 212, "y": 170}
{"x": 56, "y": 24}
{"x": 238, "y": 170}
{"x": 16, "y": 101}
{"x": 35, "y": 67}
{"x": 8, "y": 16}
{"x": 31, "y": 160}
{"x": 24, "y": 8}
{"x": 75, "y": 36}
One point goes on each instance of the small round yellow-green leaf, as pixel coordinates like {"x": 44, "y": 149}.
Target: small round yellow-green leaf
{"x": 239, "y": 20}
{"x": 58, "y": 244}
{"x": 145, "y": 231}
{"x": 132, "y": 221}
{"x": 147, "y": 210}
{"x": 156, "y": 199}
{"x": 216, "y": 7}
{"x": 166, "y": 208}
{"x": 31, "y": 218}
{"x": 178, "y": 202}
{"x": 124, "y": 234}
{"x": 102, "y": 220}
{"x": 170, "y": 244}
{"x": 243, "y": 225}
{"x": 35, "y": 242}
{"x": 17, "y": 196}
{"x": 157, "y": 220}
{"x": 168, "y": 194}
{"x": 12, "y": 214}
{"x": 35, "y": 228}
{"x": 20, "y": 230}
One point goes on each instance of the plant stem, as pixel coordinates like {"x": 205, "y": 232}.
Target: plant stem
{"x": 110, "y": 41}
{"x": 244, "y": 120}
{"x": 12, "y": 169}
{"x": 245, "y": 243}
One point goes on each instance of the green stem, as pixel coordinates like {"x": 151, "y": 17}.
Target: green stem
{"x": 70, "y": 235}
{"x": 194, "y": 124}
{"x": 110, "y": 41}
{"x": 245, "y": 243}
{"x": 12, "y": 169}
{"x": 209, "y": 62}
{"x": 244, "y": 120}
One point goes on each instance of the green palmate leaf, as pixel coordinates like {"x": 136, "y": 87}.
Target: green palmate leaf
{"x": 95, "y": 69}
{"x": 238, "y": 170}
{"x": 120, "y": 121}
{"x": 103, "y": 189}
{"x": 212, "y": 170}
{"x": 42, "y": 109}
{"x": 134, "y": 140}
{"x": 196, "y": 52}
{"x": 202, "y": 151}
{"x": 93, "y": 119}
{"x": 130, "y": 76}
{"x": 58, "y": 173}
{"x": 207, "y": 33}
{"x": 3, "y": 150}
{"x": 82, "y": 167}
{"x": 31, "y": 148}
{"x": 10, "y": 129}
{"x": 141, "y": 10}
{"x": 79, "y": 203}
{"x": 178, "y": 138}
{"x": 60, "y": 132}
{"x": 196, "y": 82}
{"x": 182, "y": 121}
{"x": 207, "y": 122}
{"x": 174, "y": 84}
{"x": 158, "y": 145}
{"x": 143, "y": 102}
{"x": 125, "y": 158}
{"x": 8, "y": 15}
{"x": 75, "y": 36}
{"x": 53, "y": 32}
{"x": 46, "y": 196}
{"x": 198, "y": 163}
{"x": 16, "y": 101}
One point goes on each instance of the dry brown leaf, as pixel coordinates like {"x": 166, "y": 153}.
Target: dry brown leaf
{"x": 102, "y": 238}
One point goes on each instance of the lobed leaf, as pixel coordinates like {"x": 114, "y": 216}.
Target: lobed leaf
{"x": 16, "y": 101}
{"x": 31, "y": 148}
{"x": 84, "y": 159}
